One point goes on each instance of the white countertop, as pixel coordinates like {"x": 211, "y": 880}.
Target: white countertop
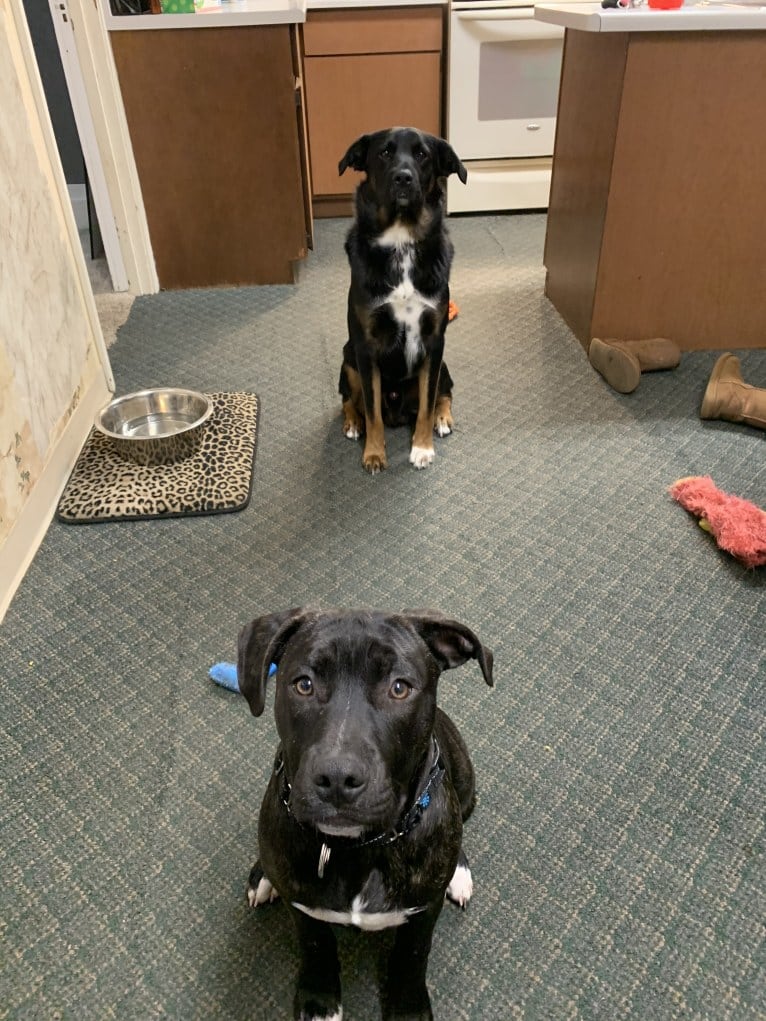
{"x": 327, "y": 5}
{"x": 591, "y": 17}
{"x": 215, "y": 14}
{"x": 226, "y": 13}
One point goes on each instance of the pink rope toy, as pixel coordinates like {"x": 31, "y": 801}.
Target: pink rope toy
{"x": 738, "y": 526}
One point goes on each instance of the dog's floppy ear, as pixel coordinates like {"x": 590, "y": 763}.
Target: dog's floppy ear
{"x": 446, "y": 160}
{"x": 450, "y": 642}
{"x": 260, "y": 644}
{"x": 356, "y": 157}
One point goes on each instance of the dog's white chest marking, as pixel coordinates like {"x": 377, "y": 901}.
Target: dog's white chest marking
{"x": 404, "y": 301}
{"x": 370, "y": 921}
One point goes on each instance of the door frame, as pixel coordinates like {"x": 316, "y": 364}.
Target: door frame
{"x": 103, "y": 129}
{"x": 65, "y": 38}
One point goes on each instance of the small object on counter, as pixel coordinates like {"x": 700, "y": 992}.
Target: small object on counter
{"x": 665, "y": 5}
{"x": 179, "y": 6}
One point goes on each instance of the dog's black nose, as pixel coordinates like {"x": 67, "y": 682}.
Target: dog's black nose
{"x": 403, "y": 177}
{"x": 340, "y": 781}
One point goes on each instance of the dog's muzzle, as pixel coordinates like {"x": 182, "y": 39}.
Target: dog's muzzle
{"x": 404, "y": 186}
{"x": 340, "y": 782}
{"x": 336, "y": 826}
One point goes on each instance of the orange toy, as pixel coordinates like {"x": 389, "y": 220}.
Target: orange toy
{"x": 738, "y": 526}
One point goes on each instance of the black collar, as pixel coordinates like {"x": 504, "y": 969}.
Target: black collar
{"x": 407, "y": 822}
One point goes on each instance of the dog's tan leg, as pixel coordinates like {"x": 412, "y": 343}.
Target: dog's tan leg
{"x": 422, "y": 451}
{"x": 374, "y": 457}
{"x": 443, "y": 422}
{"x": 353, "y": 406}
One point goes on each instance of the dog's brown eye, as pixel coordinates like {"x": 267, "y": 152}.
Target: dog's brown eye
{"x": 399, "y": 690}
{"x": 386, "y": 154}
{"x": 420, "y": 155}
{"x": 304, "y": 686}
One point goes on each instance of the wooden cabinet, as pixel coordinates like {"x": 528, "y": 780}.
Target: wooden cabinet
{"x": 216, "y": 123}
{"x": 367, "y": 69}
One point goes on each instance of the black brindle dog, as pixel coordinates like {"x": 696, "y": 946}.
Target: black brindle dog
{"x": 362, "y": 820}
{"x": 400, "y": 257}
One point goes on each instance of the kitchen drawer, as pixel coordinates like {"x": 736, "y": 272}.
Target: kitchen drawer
{"x": 369, "y": 30}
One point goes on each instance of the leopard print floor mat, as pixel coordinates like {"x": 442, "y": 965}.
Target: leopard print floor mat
{"x": 217, "y": 478}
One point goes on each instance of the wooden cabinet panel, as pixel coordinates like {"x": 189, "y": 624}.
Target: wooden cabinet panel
{"x": 212, "y": 120}
{"x": 350, "y": 96}
{"x": 655, "y": 222}
{"x": 394, "y": 30}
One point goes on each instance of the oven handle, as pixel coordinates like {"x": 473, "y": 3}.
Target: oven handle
{"x": 531, "y": 30}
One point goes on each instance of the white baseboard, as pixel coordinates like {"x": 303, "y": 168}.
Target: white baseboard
{"x": 79, "y": 199}
{"x": 21, "y": 545}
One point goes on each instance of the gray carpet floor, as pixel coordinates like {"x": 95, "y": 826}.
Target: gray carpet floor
{"x": 618, "y": 843}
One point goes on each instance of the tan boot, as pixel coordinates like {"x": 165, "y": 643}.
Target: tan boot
{"x": 621, "y": 362}
{"x": 729, "y": 397}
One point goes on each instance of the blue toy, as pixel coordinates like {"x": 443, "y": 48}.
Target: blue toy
{"x": 225, "y": 674}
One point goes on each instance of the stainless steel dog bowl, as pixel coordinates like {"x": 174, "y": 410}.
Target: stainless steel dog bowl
{"x": 159, "y": 426}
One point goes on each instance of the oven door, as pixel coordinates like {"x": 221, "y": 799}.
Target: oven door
{"x": 503, "y": 83}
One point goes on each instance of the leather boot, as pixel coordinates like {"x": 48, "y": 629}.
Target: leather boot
{"x": 621, "y": 362}
{"x": 729, "y": 397}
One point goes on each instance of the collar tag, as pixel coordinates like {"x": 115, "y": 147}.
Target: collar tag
{"x": 324, "y": 857}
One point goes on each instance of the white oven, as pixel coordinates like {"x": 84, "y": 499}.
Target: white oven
{"x": 502, "y": 94}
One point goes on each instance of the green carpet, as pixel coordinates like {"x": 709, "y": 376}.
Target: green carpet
{"x": 618, "y": 843}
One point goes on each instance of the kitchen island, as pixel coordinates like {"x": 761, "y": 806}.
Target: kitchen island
{"x": 214, "y": 105}
{"x": 657, "y": 205}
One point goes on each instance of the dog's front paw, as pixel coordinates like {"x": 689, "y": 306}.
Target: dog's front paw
{"x": 421, "y": 457}
{"x": 460, "y": 889}
{"x": 443, "y": 421}
{"x": 259, "y": 888}
{"x": 374, "y": 463}
{"x": 314, "y": 1012}
{"x": 350, "y": 431}
{"x": 353, "y": 426}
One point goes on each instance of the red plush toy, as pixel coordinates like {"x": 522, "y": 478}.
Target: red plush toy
{"x": 738, "y": 526}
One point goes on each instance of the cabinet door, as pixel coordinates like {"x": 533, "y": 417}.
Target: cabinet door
{"x": 349, "y": 96}
{"x": 212, "y": 119}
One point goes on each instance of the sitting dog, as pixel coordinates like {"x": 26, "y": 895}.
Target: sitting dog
{"x": 362, "y": 819}
{"x": 400, "y": 257}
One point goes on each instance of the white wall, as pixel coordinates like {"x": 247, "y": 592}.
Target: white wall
{"x": 54, "y": 372}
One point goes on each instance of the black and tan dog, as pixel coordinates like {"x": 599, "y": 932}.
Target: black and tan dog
{"x": 362, "y": 820}
{"x": 400, "y": 257}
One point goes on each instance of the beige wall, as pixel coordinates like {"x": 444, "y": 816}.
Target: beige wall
{"x": 53, "y": 367}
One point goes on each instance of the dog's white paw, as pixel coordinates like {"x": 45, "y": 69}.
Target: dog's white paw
{"x": 352, "y": 432}
{"x": 442, "y": 428}
{"x": 336, "y": 1016}
{"x": 263, "y": 893}
{"x": 460, "y": 889}
{"x": 421, "y": 457}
